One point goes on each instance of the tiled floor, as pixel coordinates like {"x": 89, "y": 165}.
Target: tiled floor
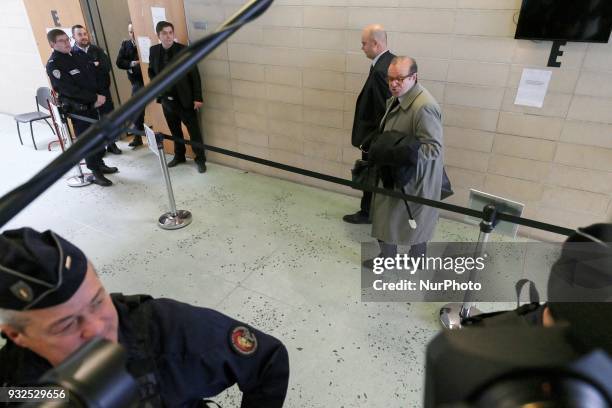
{"x": 269, "y": 252}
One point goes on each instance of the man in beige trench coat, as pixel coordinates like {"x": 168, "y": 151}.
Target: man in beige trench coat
{"x": 414, "y": 111}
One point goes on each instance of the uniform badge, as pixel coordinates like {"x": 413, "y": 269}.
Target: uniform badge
{"x": 22, "y": 291}
{"x": 243, "y": 341}
{"x": 56, "y": 73}
{"x": 74, "y": 72}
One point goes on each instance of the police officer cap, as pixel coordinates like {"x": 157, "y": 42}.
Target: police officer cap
{"x": 38, "y": 270}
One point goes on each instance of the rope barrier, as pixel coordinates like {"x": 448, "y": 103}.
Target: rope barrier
{"x": 336, "y": 180}
{"x": 415, "y": 199}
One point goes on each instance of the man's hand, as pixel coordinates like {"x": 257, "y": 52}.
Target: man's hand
{"x": 197, "y": 105}
{"x": 134, "y": 63}
{"x": 100, "y": 101}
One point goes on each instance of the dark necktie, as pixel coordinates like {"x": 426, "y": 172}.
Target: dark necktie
{"x": 394, "y": 104}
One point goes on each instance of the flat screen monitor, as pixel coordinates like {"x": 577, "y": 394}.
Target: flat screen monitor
{"x": 565, "y": 20}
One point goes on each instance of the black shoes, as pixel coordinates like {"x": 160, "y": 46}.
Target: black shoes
{"x": 112, "y": 148}
{"x": 137, "y": 141}
{"x": 99, "y": 179}
{"x": 176, "y": 161}
{"x": 368, "y": 264}
{"x": 108, "y": 170}
{"x": 358, "y": 218}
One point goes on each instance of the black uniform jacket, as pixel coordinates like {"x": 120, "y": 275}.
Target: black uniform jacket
{"x": 128, "y": 53}
{"x": 180, "y": 354}
{"x": 189, "y": 88}
{"x": 371, "y": 103}
{"x": 102, "y": 71}
{"x": 72, "y": 77}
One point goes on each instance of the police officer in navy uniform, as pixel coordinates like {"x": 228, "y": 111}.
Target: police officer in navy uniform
{"x": 128, "y": 59}
{"x": 52, "y": 302}
{"x": 74, "y": 80}
{"x": 101, "y": 66}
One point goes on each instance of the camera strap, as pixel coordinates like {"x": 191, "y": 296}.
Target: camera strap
{"x": 534, "y": 296}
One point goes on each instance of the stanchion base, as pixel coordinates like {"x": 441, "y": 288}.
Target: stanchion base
{"x": 449, "y": 315}
{"x": 78, "y": 181}
{"x": 169, "y": 221}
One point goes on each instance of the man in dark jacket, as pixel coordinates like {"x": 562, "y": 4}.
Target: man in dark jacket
{"x": 128, "y": 59}
{"x": 370, "y": 106}
{"x": 102, "y": 67}
{"x": 52, "y": 302}
{"x": 181, "y": 102}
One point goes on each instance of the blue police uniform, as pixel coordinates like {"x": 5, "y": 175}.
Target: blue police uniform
{"x": 180, "y": 354}
{"x": 96, "y": 55}
{"x": 74, "y": 80}
{"x": 102, "y": 72}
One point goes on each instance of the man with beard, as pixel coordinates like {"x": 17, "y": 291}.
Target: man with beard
{"x": 102, "y": 68}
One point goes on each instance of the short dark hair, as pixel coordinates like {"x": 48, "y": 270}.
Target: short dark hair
{"x": 414, "y": 68}
{"x": 413, "y": 64}
{"x": 76, "y": 26}
{"x": 161, "y": 25}
{"x": 53, "y": 34}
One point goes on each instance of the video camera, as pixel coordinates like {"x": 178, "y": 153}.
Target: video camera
{"x": 514, "y": 367}
{"x": 93, "y": 376}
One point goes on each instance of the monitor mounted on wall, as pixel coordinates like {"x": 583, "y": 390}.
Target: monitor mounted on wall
{"x": 565, "y": 20}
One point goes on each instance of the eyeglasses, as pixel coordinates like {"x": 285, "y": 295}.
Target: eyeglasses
{"x": 398, "y": 79}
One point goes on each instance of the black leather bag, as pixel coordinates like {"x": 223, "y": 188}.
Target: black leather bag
{"x": 447, "y": 189}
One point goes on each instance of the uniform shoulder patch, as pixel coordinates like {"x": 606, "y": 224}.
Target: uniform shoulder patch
{"x": 56, "y": 73}
{"x": 243, "y": 341}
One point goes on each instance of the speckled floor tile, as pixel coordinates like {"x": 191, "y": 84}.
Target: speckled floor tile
{"x": 272, "y": 253}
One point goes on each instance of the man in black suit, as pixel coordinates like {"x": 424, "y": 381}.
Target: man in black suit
{"x": 371, "y": 103}
{"x": 181, "y": 102}
{"x": 128, "y": 59}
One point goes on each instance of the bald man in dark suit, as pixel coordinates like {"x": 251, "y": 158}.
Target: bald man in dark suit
{"x": 370, "y": 106}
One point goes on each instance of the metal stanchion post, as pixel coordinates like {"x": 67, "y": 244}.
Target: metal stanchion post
{"x": 174, "y": 219}
{"x": 453, "y": 314}
{"x": 81, "y": 179}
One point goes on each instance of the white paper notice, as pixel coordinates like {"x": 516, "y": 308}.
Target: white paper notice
{"x": 533, "y": 87}
{"x": 157, "y": 14}
{"x": 151, "y": 140}
{"x": 144, "y": 44}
